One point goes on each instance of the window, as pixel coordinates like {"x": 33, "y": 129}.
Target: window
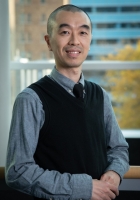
{"x": 25, "y": 37}
{"x": 21, "y": 1}
{"x": 42, "y": 1}
{"x": 89, "y": 57}
{"x": 124, "y": 25}
{"x": 131, "y": 9}
{"x": 28, "y": 1}
{"x": 97, "y": 57}
{"x": 25, "y": 1}
{"x": 24, "y": 18}
{"x": 22, "y": 38}
{"x": 131, "y": 25}
{"x": 43, "y": 56}
{"x": 135, "y": 25}
{"x": 28, "y": 17}
{"x": 23, "y": 54}
{"x": 30, "y": 44}
{"x": 129, "y": 41}
{"x": 110, "y": 25}
{"x": 43, "y": 18}
{"x": 29, "y": 37}
{"x": 106, "y": 9}
{"x": 111, "y": 41}
{"x": 86, "y": 9}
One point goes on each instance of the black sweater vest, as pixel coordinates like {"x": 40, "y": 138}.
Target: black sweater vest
{"x": 72, "y": 138}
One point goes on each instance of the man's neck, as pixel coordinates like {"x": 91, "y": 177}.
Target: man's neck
{"x": 71, "y": 73}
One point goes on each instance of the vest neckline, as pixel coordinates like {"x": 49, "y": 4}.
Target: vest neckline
{"x": 79, "y": 102}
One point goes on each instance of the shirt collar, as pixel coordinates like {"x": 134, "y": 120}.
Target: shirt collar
{"x": 63, "y": 80}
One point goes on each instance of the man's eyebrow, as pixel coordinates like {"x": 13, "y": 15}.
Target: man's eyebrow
{"x": 85, "y": 26}
{"x": 67, "y": 25}
{"x": 63, "y": 25}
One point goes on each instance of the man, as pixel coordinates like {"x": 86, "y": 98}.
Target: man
{"x": 62, "y": 146}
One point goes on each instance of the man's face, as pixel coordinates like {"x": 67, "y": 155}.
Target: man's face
{"x": 70, "y": 39}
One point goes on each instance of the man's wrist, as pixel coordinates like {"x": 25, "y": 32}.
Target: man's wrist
{"x": 81, "y": 186}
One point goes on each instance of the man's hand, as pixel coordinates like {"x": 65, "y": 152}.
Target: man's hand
{"x": 103, "y": 190}
{"x": 107, "y": 187}
{"x": 111, "y": 177}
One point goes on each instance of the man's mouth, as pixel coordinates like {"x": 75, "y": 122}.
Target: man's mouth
{"x": 73, "y": 53}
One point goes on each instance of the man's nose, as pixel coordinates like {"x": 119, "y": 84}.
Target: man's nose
{"x": 74, "y": 40}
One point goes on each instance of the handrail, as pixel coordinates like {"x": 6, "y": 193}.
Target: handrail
{"x": 87, "y": 65}
{"x": 133, "y": 173}
{"x": 2, "y": 176}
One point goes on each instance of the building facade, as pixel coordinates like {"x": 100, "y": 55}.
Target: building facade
{"x": 28, "y": 19}
{"x": 115, "y": 24}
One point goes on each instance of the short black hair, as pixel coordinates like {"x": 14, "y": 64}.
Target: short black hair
{"x": 67, "y": 7}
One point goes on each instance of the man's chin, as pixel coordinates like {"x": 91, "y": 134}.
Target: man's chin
{"x": 73, "y": 64}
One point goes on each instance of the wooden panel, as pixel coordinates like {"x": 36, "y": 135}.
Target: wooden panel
{"x": 134, "y": 172}
{"x": 2, "y": 173}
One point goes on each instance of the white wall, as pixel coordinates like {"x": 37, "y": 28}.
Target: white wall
{"x": 4, "y": 79}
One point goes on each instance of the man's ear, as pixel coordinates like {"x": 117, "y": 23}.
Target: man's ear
{"x": 47, "y": 39}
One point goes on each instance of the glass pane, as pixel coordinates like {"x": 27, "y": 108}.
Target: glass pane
{"x": 115, "y": 36}
{"x": 111, "y": 26}
{"x": 122, "y": 87}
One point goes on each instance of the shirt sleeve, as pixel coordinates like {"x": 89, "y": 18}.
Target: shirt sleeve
{"x": 117, "y": 147}
{"x": 22, "y": 173}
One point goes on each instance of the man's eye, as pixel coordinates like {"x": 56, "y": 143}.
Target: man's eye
{"x": 83, "y": 33}
{"x": 65, "y": 32}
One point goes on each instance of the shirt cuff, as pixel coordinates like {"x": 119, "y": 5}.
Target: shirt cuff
{"x": 81, "y": 186}
{"x": 120, "y": 171}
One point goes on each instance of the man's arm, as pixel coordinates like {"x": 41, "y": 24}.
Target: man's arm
{"x": 117, "y": 147}
{"x": 22, "y": 173}
{"x": 117, "y": 155}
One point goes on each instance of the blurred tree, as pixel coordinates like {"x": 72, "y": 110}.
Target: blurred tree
{"x": 124, "y": 86}
{"x": 128, "y": 53}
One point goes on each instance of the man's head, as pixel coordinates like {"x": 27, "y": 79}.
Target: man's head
{"x": 67, "y": 7}
{"x": 69, "y": 36}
